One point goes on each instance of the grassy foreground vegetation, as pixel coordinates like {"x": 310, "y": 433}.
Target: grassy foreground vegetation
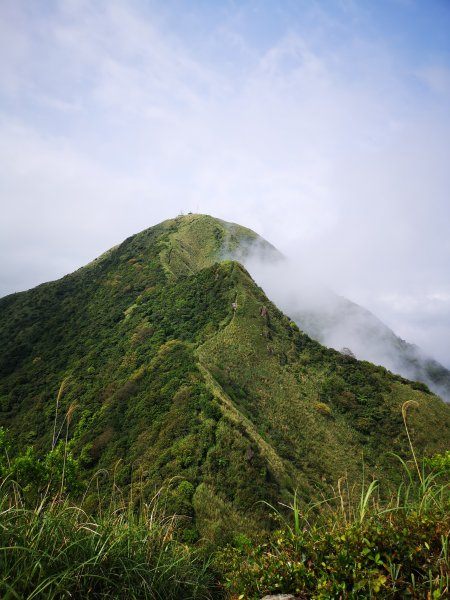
{"x": 369, "y": 548}
{"x": 56, "y": 550}
{"x": 353, "y": 544}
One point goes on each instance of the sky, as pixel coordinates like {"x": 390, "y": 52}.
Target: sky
{"x": 322, "y": 125}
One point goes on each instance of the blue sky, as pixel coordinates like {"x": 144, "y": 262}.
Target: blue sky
{"x": 324, "y": 126}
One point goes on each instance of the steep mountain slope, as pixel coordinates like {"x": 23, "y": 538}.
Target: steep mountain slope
{"x": 176, "y": 364}
{"x": 339, "y": 323}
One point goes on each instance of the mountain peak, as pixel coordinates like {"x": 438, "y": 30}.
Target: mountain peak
{"x": 188, "y": 243}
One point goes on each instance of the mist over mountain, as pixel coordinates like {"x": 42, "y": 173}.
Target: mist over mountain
{"x": 340, "y": 323}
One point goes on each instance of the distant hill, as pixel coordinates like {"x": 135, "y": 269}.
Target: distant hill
{"x": 339, "y": 323}
{"x": 177, "y": 365}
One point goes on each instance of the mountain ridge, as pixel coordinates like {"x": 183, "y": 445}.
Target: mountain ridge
{"x": 183, "y": 370}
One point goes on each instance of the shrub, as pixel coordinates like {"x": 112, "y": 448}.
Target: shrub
{"x": 354, "y": 548}
{"x": 323, "y": 409}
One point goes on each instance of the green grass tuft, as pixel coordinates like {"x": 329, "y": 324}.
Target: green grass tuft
{"x": 56, "y": 550}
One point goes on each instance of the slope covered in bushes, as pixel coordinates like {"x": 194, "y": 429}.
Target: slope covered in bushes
{"x": 163, "y": 361}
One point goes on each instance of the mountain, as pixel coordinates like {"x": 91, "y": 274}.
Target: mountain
{"x": 173, "y": 365}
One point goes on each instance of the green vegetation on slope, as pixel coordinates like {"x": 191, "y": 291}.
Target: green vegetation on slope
{"x": 354, "y": 548}
{"x": 344, "y": 546}
{"x": 56, "y": 550}
{"x": 177, "y": 367}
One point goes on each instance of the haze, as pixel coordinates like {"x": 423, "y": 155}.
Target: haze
{"x": 324, "y": 126}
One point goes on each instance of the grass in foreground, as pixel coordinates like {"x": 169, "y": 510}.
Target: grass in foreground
{"x": 354, "y": 547}
{"x": 56, "y": 551}
{"x": 347, "y": 547}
